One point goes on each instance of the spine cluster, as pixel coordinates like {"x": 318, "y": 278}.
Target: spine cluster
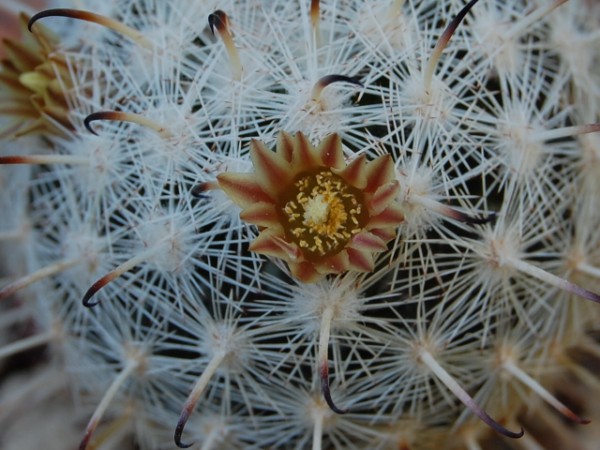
{"x": 472, "y": 316}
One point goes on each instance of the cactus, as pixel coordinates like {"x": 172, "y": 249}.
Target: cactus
{"x": 302, "y": 225}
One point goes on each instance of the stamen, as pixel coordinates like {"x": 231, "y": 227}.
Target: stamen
{"x": 462, "y": 395}
{"x": 26, "y": 344}
{"x": 38, "y": 275}
{"x": 120, "y": 379}
{"x": 220, "y": 21}
{"x": 116, "y": 273}
{"x": 443, "y": 42}
{"x": 323, "y": 359}
{"x": 327, "y": 80}
{"x": 87, "y": 16}
{"x": 556, "y": 281}
{"x": 45, "y": 159}
{"x": 538, "y": 389}
{"x": 126, "y": 117}
{"x": 192, "y": 400}
{"x": 549, "y": 135}
{"x": 315, "y": 19}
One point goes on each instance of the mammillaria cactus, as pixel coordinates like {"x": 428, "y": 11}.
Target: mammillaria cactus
{"x": 293, "y": 224}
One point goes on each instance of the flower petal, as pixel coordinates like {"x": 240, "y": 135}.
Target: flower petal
{"x": 262, "y": 214}
{"x": 385, "y": 234}
{"x": 367, "y": 241}
{"x": 390, "y": 217}
{"x": 383, "y": 196}
{"x": 272, "y": 171}
{"x": 380, "y": 171}
{"x": 243, "y": 189}
{"x": 354, "y": 173}
{"x": 361, "y": 260}
{"x": 337, "y": 263}
{"x": 305, "y": 155}
{"x": 330, "y": 151}
{"x": 285, "y": 146}
{"x": 270, "y": 243}
{"x": 305, "y": 272}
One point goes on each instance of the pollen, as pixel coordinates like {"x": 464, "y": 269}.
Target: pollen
{"x": 321, "y": 213}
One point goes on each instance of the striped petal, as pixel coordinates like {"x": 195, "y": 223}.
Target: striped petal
{"x": 272, "y": 244}
{"x": 354, "y": 173}
{"x": 383, "y": 196}
{"x": 380, "y": 171}
{"x": 285, "y": 146}
{"x": 330, "y": 152}
{"x": 262, "y": 214}
{"x": 337, "y": 263}
{"x": 361, "y": 260}
{"x": 388, "y": 218}
{"x": 243, "y": 189}
{"x": 305, "y": 155}
{"x": 385, "y": 234}
{"x": 367, "y": 241}
{"x": 305, "y": 272}
{"x": 272, "y": 171}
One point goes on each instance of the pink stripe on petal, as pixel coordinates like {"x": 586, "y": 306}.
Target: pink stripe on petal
{"x": 380, "y": 171}
{"x": 262, "y": 214}
{"x": 385, "y": 234}
{"x": 384, "y": 196}
{"x": 360, "y": 260}
{"x": 272, "y": 171}
{"x": 305, "y": 272}
{"x": 269, "y": 243}
{"x": 368, "y": 241}
{"x": 285, "y": 146}
{"x": 354, "y": 173}
{"x": 330, "y": 151}
{"x": 242, "y": 188}
{"x": 388, "y": 218}
{"x": 337, "y": 263}
{"x": 305, "y": 155}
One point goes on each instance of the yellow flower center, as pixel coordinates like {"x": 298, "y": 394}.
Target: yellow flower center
{"x": 320, "y": 212}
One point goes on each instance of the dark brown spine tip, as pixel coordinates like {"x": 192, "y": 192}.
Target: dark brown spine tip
{"x": 200, "y": 189}
{"x": 510, "y": 434}
{"x": 328, "y": 79}
{"x": 87, "y": 298}
{"x": 327, "y": 391}
{"x": 54, "y": 12}
{"x": 492, "y": 423}
{"x": 314, "y": 8}
{"x": 217, "y": 20}
{"x": 102, "y": 115}
{"x": 85, "y": 441}
{"x": 13, "y": 160}
{"x": 471, "y": 220}
{"x": 584, "y": 293}
{"x": 453, "y": 25}
{"x": 87, "y": 123}
{"x": 183, "y": 418}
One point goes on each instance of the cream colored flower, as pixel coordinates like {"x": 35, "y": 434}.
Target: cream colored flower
{"x": 33, "y": 80}
{"x": 319, "y": 214}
